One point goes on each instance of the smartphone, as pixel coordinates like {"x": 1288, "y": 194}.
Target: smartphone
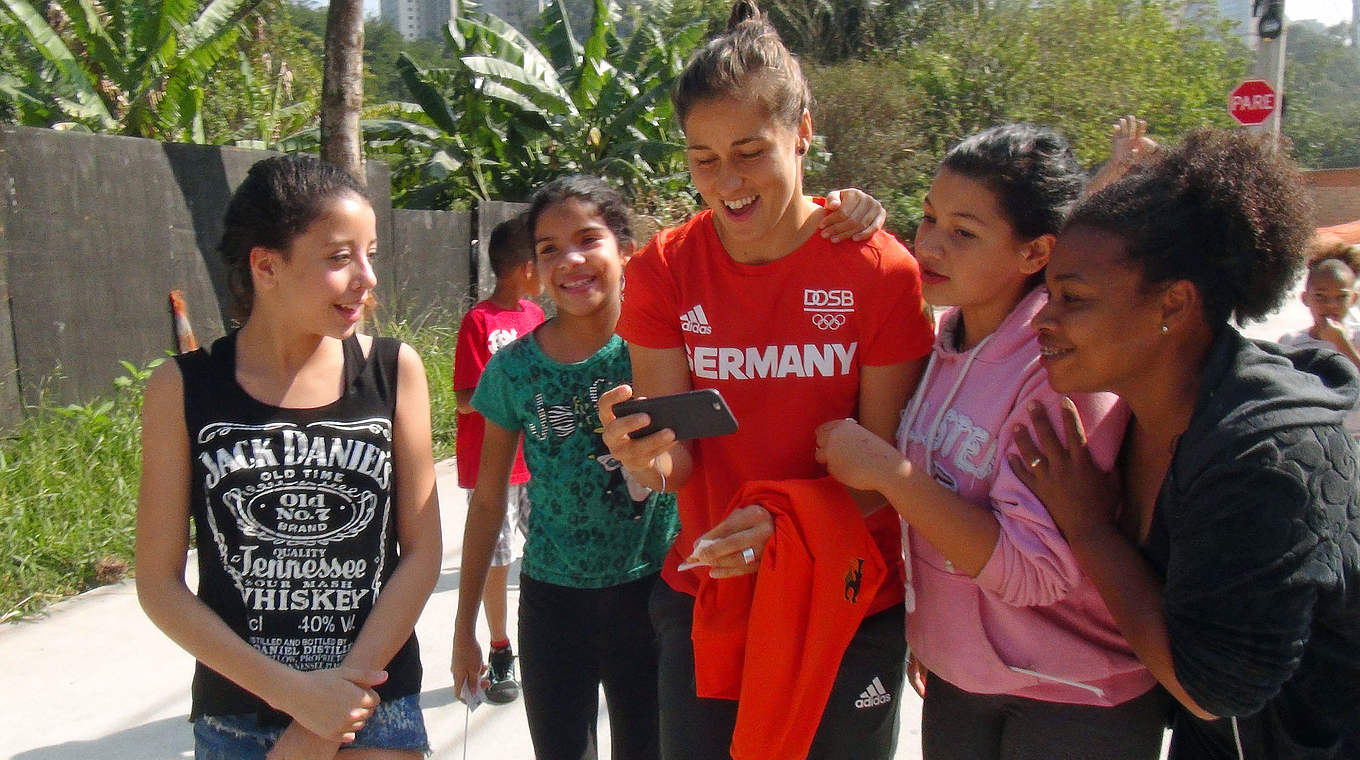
{"x": 693, "y": 414}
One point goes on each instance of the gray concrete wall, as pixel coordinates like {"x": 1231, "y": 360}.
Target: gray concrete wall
{"x": 96, "y": 230}
{"x": 434, "y": 265}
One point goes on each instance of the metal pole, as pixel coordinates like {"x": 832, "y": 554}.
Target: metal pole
{"x": 1270, "y": 67}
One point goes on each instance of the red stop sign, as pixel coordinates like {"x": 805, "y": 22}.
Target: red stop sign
{"x": 1252, "y": 102}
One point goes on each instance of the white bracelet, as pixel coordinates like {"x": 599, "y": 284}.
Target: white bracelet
{"x": 661, "y": 475}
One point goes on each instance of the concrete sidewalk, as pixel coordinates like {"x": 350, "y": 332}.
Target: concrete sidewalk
{"x": 92, "y": 679}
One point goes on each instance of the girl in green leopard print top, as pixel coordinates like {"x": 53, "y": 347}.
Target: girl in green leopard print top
{"x": 596, "y": 541}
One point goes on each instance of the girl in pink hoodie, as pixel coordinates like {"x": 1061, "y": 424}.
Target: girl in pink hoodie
{"x": 1023, "y": 658}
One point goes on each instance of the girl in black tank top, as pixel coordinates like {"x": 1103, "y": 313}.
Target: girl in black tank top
{"x": 301, "y": 453}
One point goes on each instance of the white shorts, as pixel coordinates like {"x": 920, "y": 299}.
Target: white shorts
{"x": 516, "y": 519}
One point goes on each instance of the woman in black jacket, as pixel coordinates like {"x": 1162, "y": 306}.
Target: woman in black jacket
{"x": 1226, "y": 543}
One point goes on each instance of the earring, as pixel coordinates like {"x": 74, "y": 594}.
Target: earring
{"x": 1165, "y": 330}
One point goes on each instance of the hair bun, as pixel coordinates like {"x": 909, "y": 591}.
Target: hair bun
{"x": 743, "y": 10}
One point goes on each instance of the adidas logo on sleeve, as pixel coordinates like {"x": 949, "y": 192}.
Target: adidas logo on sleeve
{"x": 696, "y": 321}
{"x": 873, "y": 696}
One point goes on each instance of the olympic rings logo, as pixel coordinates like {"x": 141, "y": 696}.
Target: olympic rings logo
{"x": 828, "y": 321}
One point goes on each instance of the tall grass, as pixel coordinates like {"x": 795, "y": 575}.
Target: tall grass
{"x": 434, "y": 337}
{"x": 69, "y": 477}
{"x": 68, "y": 496}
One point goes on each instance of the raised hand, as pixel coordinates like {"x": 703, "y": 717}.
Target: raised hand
{"x": 1129, "y": 143}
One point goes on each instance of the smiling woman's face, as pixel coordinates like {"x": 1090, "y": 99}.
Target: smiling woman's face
{"x": 747, "y": 166}
{"x": 1102, "y": 325}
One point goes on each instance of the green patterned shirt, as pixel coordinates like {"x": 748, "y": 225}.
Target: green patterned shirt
{"x": 585, "y": 529}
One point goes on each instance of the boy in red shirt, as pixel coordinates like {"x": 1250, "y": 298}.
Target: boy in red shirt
{"x": 486, "y": 328}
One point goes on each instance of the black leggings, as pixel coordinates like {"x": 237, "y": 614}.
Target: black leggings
{"x": 862, "y": 713}
{"x": 959, "y": 725}
{"x": 573, "y": 640}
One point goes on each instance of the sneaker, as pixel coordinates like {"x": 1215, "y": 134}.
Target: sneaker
{"x": 504, "y": 689}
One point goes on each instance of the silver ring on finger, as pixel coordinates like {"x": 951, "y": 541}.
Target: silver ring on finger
{"x": 1035, "y": 462}
{"x": 749, "y": 555}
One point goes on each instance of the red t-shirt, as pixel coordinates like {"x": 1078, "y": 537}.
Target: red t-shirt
{"x": 486, "y": 328}
{"x": 784, "y": 343}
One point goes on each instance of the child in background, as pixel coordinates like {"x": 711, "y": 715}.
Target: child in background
{"x": 301, "y": 452}
{"x": 1329, "y": 293}
{"x": 486, "y": 328}
{"x": 1024, "y": 660}
{"x": 598, "y": 540}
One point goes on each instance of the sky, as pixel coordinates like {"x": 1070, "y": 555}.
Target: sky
{"x": 1327, "y": 11}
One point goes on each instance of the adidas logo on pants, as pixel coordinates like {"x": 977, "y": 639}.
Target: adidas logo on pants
{"x": 873, "y": 696}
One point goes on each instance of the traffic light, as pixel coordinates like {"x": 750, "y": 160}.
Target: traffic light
{"x": 1269, "y": 17}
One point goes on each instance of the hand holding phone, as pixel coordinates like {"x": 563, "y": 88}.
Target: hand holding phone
{"x": 693, "y": 414}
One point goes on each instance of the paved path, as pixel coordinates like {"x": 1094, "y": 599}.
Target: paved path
{"x": 92, "y": 679}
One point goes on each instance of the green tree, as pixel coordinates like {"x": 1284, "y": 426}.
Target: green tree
{"x": 130, "y": 68}
{"x": 383, "y": 44}
{"x": 828, "y": 31}
{"x": 272, "y": 87}
{"x": 1074, "y": 65}
{"x": 673, "y": 16}
{"x": 1094, "y": 60}
{"x": 870, "y": 117}
{"x": 514, "y": 112}
{"x": 1322, "y": 112}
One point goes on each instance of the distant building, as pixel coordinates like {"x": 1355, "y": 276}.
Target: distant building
{"x": 425, "y": 19}
{"x": 418, "y": 19}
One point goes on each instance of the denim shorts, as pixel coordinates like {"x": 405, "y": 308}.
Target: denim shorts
{"x": 396, "y": 725}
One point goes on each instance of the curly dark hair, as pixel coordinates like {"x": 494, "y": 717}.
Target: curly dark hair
{"x": 278, "y": 200}
{"x": 747, "y": 60}
{"x": 1031, "y": 169}
{"x": 1224, "y": 210}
